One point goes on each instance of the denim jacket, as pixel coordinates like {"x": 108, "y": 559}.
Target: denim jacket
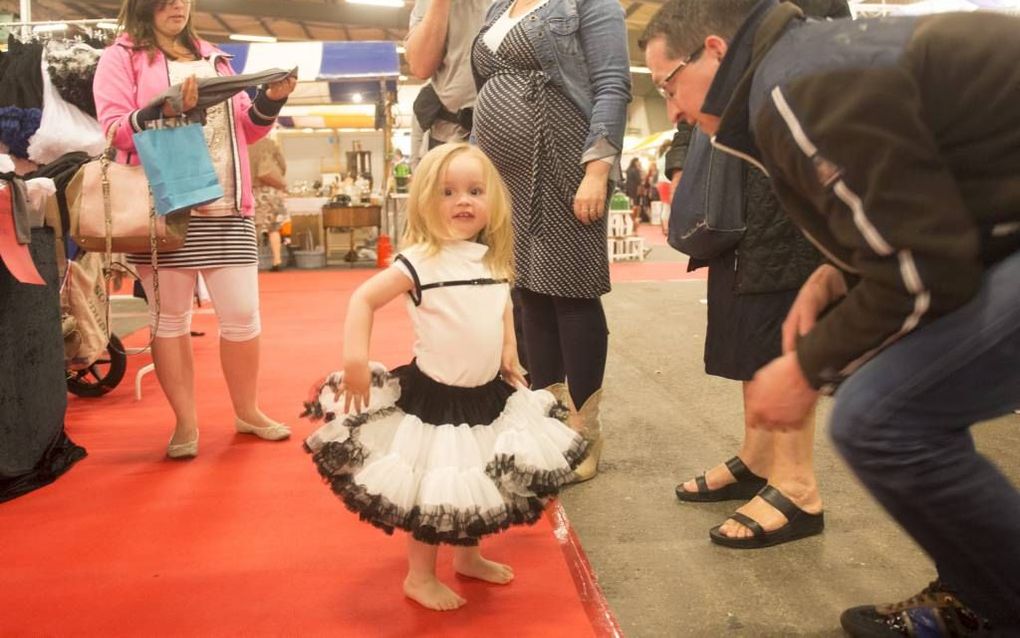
{"x": 582, "y": 46}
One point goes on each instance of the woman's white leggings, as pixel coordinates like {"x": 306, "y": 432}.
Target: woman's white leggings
{"x": 234, "y": 291}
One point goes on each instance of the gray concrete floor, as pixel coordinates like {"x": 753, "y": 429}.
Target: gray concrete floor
{"x": 664, "y": 421}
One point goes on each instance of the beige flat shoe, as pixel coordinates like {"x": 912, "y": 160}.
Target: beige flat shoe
{"x": 187, "y": 450}
{"x": 274, "y": 432}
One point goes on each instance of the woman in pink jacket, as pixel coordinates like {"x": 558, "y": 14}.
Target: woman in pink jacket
{"x": 159, "y": 48}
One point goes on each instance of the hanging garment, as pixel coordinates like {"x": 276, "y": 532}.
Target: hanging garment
{"x": 34, "y": 450}
{"x": 71, "y": 67}
{"x": 63, "y": 128}
{"x": 20, "y": 75}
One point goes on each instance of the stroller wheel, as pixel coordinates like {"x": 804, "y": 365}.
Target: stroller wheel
{"x": 103, "y": 375}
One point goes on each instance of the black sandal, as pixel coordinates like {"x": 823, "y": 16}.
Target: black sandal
{"x": 799, "y": 524}
{"x": 748, "y": 484}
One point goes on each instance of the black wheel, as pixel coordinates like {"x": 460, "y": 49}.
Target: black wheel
{"x": 103, "y": 375}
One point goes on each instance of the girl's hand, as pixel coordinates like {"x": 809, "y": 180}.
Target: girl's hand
{"x": 355, "y": 387}
{"x": 590, "y": 200}
{"x": 281, "y": 90}
{"x": 189, "y": 98}
{"x": 510, "y": 368}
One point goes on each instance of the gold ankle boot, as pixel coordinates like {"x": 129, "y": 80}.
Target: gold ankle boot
{"x": 586, "y": 423}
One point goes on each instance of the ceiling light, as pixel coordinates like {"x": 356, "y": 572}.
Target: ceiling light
{"x": 641, "y": 69}
{"x": 379, "y": 3}
{"x": 241, "y": 37}
{"x": 49, "y": 28}
{"x": 110, "y": 26}
{"x": 401, "y": 49}
{"x": 357, "y": 98}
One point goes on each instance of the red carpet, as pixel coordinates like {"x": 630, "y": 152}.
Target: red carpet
{"x": 245, "y": 540}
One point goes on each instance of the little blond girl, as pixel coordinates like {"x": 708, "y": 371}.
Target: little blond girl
{"x": 452, "y": 446}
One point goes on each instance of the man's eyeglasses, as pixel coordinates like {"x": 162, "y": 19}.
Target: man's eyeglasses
{"x": 663, "y": 87}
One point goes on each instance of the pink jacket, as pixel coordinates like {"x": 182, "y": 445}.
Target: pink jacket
{"x": 126, "y": 81}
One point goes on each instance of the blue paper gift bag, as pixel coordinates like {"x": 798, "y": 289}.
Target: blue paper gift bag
{"x": 180, "y": 171}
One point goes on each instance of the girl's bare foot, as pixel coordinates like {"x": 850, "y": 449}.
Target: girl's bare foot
{"x": 430, "y": 593}
{"x": 469, "y": 562}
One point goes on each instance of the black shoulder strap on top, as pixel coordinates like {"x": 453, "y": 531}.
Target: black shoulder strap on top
{"x": 416, "y": 292}
{"x": 418, "y": 288}
{"x": 465, "y": 282}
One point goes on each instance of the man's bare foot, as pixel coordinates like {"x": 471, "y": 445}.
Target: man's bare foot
{"x": 474, "y": 565}
{"x": 432, "y": 594}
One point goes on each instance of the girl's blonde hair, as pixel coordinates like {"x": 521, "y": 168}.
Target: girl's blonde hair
{"x": 426, "y": 226}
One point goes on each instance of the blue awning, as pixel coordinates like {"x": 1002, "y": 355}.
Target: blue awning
{"x": 350, "y": 68}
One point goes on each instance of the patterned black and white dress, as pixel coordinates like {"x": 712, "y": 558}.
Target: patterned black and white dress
{"x": 446, "y": 451}
{"x": 535, "y": 136}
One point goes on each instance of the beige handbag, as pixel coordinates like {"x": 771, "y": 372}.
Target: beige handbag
{"x": 111, "y": 209}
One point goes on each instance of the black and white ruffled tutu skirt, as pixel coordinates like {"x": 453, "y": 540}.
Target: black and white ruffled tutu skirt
{"x": 446, "y": 464}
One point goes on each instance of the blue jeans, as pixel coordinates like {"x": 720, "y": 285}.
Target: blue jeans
{"x": 903, "y": 424}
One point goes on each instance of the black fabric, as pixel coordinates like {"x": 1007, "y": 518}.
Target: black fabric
{"x": 21, "y": 95}
{"x": 33, "y": 393}
{"x": 21, "y": 75}
{"x": 744, "y": 330}
{"x": 775, "y": 256}
{"x": 677, "y": 153}
{"x": 831, "y": 9}
{"x": 437, "y": 403}
{"x": 522, "y": 349}
{"x": 565, "y": 338}
{"x": 428, "y": 108}
{"x": 56, "y": 460}
{"x": 62, "y": 170}
{"x": 633, "y": 182}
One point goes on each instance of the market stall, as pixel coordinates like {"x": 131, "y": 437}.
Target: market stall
{"x": 337, "y": 139}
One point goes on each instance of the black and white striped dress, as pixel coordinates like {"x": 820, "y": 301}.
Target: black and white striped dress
{"x": 217, "y": 235}
{"x": 535, "y": 136}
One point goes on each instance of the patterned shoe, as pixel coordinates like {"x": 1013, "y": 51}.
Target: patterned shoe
{"x": 933, "y": 613}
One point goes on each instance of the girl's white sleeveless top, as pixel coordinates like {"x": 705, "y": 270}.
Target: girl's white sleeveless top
{"x": 458, "y": 325}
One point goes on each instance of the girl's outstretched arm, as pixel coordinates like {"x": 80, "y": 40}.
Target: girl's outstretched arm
{"x": 369, "y": 297}
{"x": 510, "y": 365}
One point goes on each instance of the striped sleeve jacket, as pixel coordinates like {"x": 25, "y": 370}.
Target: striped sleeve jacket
{"x": 894, "y": 144}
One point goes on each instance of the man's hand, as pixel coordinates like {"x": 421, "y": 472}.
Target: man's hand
{"x": 779, "y": 397}
{"x": 823, "y": 287}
